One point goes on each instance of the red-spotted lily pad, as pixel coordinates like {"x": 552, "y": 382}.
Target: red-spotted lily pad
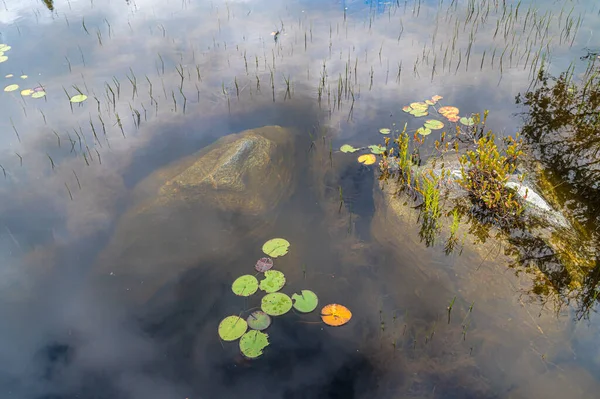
{"x": 264, "y": 264}
{"x": 258, "y": 320}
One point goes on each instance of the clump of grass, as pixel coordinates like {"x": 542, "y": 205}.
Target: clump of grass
{"x": 485, "y": 171}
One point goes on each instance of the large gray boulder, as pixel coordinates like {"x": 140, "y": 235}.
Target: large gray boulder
{"x": 198, "y": 209}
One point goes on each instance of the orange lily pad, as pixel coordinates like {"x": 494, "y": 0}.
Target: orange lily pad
{"x": 335, "y": 315}
{"x": 367, "y": 159}
{"x": 436, "y": 98}
{"x": 448, "y": 111}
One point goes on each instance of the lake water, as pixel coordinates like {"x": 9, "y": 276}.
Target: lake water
{"x": 165, "y": 79}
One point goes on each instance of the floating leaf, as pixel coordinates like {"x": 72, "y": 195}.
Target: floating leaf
{"x": 245, "y": 285}
{"x": 78, "y": 98}
{"x": 436, "y": 98}
{"x": 27, "y": 92}
{"x": 419, "y": 113}
{"x": 385, "y": 130}
{"x": 348, "y": 148}
{"x": 232, "y": 327}
{"x": 276, "y": 247}
{"x": 406, "y": 108}
{"x": 258, "y": 320}
{"x": 433, "y": 124}
{"x": 377, "y": 149}
{"x": 274, "y": 281}
{"x": 453, "y": 118}
{"x": 419, "y": 106}
{"x": 467, "y": 121}
{"x": 367, "y": 159}
{"x": 448, "y": 111}
{"x": 264, "y": 264}
{"x": 276, "y": 304}
{"x": 429, "y": 102}
{"x": 253, "y": 343}
{"x": 39, "y": 88}
{"x": 38, "y": 94}
{"x": 11, "y": 87}
{"x": 10, "y": 75}
{"x": 4, "y": 47}
{"x": 306, "y": 302}
{"x": 423, "y": 131}
{"x": 335, "y": 315}
{"x": 24, "y": 76}
{"x": 3, "y": 58}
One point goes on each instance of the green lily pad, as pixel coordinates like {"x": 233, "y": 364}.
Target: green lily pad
{"x": 10, "y": 75}
{"x": 232, "y": 327}
{"x": 385, "y": 131}
{"x": 419, "y": 106}
{"x": 258, "y": 320}
{"x": 78, "y": 98}
{"x": 11, "y": 87}
{"x": 377, "y": 149}
{"x": 276, "y": 247}
{"x": 245, "y": 285}
{"x": 24, "y": 76}
{"x": 274, "y": 281}
{"x": 348, "y": 148}
{"x": 429, "y": 102}
{"x": 38, "y": 94}
{"x": 3, "y": 58}
{"x": 276, "y": 304}
{"x": 467, "y": 121}
{"x": 407, "y": 108}
{"x": 419, "y": 113}
{"x": 4, "y": 47}
{"x": 27, "y": 92}
{"x": 306, "y": 302}
{"x": 253, "y": 343}
{"x": 423, "y": 131}
{"x": 433, "y": 124}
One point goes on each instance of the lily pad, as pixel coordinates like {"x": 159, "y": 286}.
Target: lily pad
{"x": 3, "y": 58}
{"x": 419, "y": 113}
{"x": 245, "y": 285}
{"x": 10, "y": 75}
{"x": 436, "y": 98}
{"x": 348, "y": 148}
{"x": 232, "y": 327}
{"x": 27, "y": 92}
{"x": 367, "y": 159}
{"x": 258, "y": 320}
{"x": 38, "y": 94}
{"x": 11, "y": 87}
{"x": 448, "y": 111}
{"x": 264, "y": 264}
{"x": 306, "y": 302}
{"x": 276, "y": 247}
{"x": 274, "y": 281}
{"x": 429, "y": 102}
{"x": 4, "y": 47}
{"x": 424, "y": 131}
{"x": 453, "y": 118}
{"x": 377, "y": 149}
{"x": 24, "y": 76}
{"x": 253, "y": 343}
{"x": 467, "y": 121}
{"x": 433, "y": 124}
{"x": 407, "y": 108}
{"x": 385, "y": 130}
{"x": 78, "y": 98}
{"x": 276, "y": 304}
{"x": 335, "y": 315}
{"x": 421, "y": 106}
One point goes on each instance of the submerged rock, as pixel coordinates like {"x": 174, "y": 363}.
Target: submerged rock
{"x": 199, "y": 208}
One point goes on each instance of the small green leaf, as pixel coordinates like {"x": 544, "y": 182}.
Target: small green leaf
{"x": 258, "y": 320}
{"x": 253, "y": 343}
{"x": 245, "y": 285}
{"x": 467, "y": 121}
{"x": 3, "y": 58}
{"x": 78, "y": 98}
{"x": 276, "y": 304}
{"x": 38, "y": 94}
{"x": 423, "y": 131}
{"x": 232, "y": 327}
{"x": 348, "y": 148}
{"x": 419, "y": 113}
{"x": 276, "y": 247}
{"x": 306, "y": 302}
{"x": 274, "y": 281}
{"x": 11, "y": 87}
{"x": 384, "y": 131}
{"x": 433, "y": 124}
{"x": 377, "y": 149}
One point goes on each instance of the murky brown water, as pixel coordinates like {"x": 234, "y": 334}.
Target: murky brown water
{"x": 165, "y": 79}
